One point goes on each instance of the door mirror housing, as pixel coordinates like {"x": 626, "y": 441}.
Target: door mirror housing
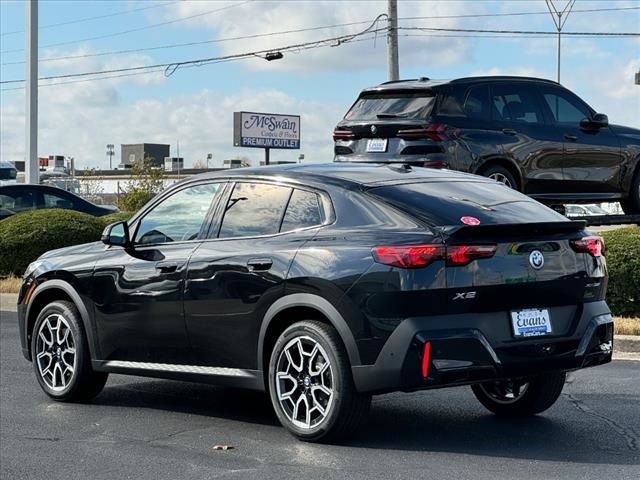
{"x": 599, "y": 120}
{"x": 117, "y": 234}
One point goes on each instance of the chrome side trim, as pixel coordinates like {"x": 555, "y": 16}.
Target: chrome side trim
{"x": 171, "y": 367}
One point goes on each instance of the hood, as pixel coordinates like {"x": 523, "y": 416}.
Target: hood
{"x": 73, "y": 250}
{"x": 629, "y": 132}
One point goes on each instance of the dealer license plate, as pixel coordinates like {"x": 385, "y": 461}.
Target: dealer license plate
{"x": 531, "y": 322}
{"x": 377, "y": 145}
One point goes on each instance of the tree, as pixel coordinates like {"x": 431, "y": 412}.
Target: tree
{"x": 200, "y": 164}
{"x": 90, "y": 185}
{"x": 147, "y": 181}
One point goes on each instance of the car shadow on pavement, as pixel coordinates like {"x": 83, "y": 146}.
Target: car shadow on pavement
{"x": 191, "y": 398}
{"x": 562, "y": 434}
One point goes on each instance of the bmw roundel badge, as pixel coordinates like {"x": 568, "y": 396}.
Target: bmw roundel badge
{"x": 536, "y": 259}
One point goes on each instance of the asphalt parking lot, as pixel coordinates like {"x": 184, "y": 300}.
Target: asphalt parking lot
{"x": 144, "y": 428}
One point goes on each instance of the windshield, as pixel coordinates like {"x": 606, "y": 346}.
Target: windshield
{"x": 391, "y": 105}
{"x": 595, "y": 209}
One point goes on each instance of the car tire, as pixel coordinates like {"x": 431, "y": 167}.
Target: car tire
{"x": 61, "y": 358}
{"x": 501, "y": 175}
{"x": 631, "y": 206}
{"x": 311, "y": 386}
{"x": 534, "y": 395}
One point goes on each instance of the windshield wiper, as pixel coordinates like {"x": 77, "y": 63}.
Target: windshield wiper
{"x": 391, "y": 115}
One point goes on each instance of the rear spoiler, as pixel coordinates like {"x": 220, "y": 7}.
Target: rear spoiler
{"x": 512, "y": 229}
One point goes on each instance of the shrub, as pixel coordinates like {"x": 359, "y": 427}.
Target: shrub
{"x": 27, "y": 235}
{"x": 623, "y": 261}
{"x": 115, "y": 217}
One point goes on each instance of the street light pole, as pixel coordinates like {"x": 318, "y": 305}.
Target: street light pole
{"x": 32, "y": 168}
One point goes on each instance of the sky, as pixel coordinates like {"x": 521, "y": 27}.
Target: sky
{"x": 193, "y": 106}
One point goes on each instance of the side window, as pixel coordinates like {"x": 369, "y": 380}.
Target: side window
{"x": 515, "y": 103}
{"x": 17, "y": 201}
{"x": 451, "y": 103}
{"x": 477, "y": 104}
{"x": 564, "y": 108}
{"x": 178, "y": 217}
{"x": 56, "y": 201}
{"x": 303, "y": 211}
{"x": 254, "y": 209}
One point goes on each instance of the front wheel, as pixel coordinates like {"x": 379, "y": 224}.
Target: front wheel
{"x": 631, "y": 206}
{"x": 311, "y": 385}
{"x": 520, "y": 397}
{"x": 61, "y": 357}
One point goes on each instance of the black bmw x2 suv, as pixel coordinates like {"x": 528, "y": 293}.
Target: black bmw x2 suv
{"x": 322, "y": 285}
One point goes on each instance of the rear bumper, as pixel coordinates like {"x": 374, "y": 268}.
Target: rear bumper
{"x": 465, "y": 355}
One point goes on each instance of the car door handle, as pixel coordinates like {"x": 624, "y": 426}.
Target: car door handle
{"x": 260, "y": 263}
{"x": 570, "y": 137}
{"x": 167, "y": 267}
{"x": 509, "y": 131}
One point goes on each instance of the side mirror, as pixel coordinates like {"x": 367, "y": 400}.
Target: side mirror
{"x": 116, "y": 234}
{"x": 599, "y": 120}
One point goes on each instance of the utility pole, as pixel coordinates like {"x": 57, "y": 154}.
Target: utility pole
{"x": 559, "y": 21}
{"x": 392, "y": 40}
{"x": 32, "y": 166}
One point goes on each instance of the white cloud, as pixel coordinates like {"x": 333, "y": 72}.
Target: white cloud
{"x": 201, "y": 122}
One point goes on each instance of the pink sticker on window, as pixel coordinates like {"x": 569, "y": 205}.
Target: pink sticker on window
{"x": 470, "y": 220}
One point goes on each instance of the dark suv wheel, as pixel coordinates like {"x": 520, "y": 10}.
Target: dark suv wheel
{"x": 631, "y": 205}
{"x": 311, "y": 386}
{"x": 502, "y": 175}
{"x": 61, "y": 355}
{"x": 520, "y": 397}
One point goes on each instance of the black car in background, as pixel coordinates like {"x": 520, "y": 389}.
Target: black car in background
{"x": 20, "y": 197}
{"x": 325, "y": 284}
{"x": 533, "y": 135}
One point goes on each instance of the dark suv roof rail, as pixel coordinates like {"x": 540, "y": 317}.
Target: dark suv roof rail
{"x": 502, "y": 77}
{"x": 421, "y": 79}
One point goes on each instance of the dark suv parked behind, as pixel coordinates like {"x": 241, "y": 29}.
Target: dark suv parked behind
{"x": 531, "y": 134}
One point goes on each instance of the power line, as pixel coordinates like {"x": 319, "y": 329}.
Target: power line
{"x": 139, "y": 29}
{"x": 516, "y": 14}
{"x": 204, "y": 42}
{"x": 171, "y": 67}
{"x": 98, "y": 17}
{"x": 213, "y": 62}
{"x": 524, "y": 32}
{"x": 120, "y": 52}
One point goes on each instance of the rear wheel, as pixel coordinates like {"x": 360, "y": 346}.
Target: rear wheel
{"x": 520, "y": 397}
{"x": 502, "y": 175}
{"x": 311, "y": 386}
{"x": 61, "y": 357}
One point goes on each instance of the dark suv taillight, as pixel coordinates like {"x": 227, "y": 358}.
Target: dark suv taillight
{"x": 342, "y": 135}
{"x": 417, "y": 256}
{"x": 592, "y": 245}
{"x": 434, "y": 131}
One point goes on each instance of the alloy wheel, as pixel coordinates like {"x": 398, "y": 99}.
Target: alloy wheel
{"x": 56, "y": 352}
{"x": 304, "y": 382}
{"x": 499, "y": 177}
{"x": 505, "y": 392}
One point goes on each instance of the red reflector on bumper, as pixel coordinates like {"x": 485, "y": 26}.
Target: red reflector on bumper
{"x": 426, "y": 359}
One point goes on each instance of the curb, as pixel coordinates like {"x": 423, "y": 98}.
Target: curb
{"x": 626, "y": 343}
{"x": 8, "y": 302}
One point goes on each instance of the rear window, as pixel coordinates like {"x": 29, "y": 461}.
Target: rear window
{"x": 445, "y": 203}
{"x": 379, "y": 106}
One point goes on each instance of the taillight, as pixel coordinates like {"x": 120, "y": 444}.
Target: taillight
{"x": 459, "y": 255}
{"x": 434, "y": 131}
{"x": 435, "y": 164}
{"x": 417, "y": 256}
{"x": 342, "y": 135}
{"x": 592, "y": 245}
{"x": 409, "y": 256}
